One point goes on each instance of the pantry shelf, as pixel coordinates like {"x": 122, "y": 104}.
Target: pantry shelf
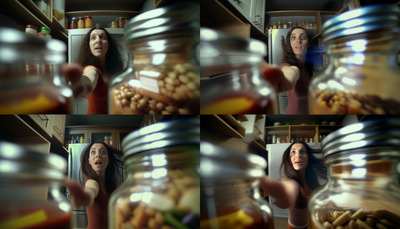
{"x": 102, "y": 12}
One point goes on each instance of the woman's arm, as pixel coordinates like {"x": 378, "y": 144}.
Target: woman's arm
{"x": 278, "y": 78}
{"x": 82, "y": 197}
{"x": 291, "y": 73}
{"x": 285, "y": 191}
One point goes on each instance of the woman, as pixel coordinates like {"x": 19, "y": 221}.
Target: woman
{"x": 101, "y": 59}
{"x": 297, "y": 69}
{"x": 301, "y": 169}
{"x": 99, "y": 167}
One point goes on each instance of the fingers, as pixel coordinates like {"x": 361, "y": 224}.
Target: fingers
{"x": 72, "y": 72}
{"x": 276, "y": 78}
{"x": 276, "y": 189}
{"x": 79, "y": 196}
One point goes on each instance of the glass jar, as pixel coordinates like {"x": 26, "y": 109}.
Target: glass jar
{"x": 162, "y": 188}
{"x": 114, "y": 24}
{"x": 88, "y": 22}
{"x": 166, "y": 79}
{"x": 30, "y": 75}
{"x": 232, "y": 81}
{"x": 31, "y": 29}
{"x": 362, "y": 76}
{"x": 73, "y": 24}
{"x": 363, "y": 162}
{"x": 81, "y": 22}
{"x": 45, "y": 30}
{"x": 229, "y": 192}
{"x": 122, "y": 21}
{"x": 30, "y": 184}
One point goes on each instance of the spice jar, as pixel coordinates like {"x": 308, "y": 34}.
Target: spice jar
{"x": 232, "y": 81}
{"x": 31, "y": 29}
{"x": 73, "y": 24}
{"x": 162, "y": 188}
{"x": 30, "y": 75}
{"x": 122, "y": 21}
{"x": 30, "y": 189}
{"x": 88, "y": 22}
{"x": 166, "y": 79}
{"x": 229, "y": 192}
{"x": 362, "y": 74}
{"x": 363, "y": 162}
{"x": 81, "y": 23}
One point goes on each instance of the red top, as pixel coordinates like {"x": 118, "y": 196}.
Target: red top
{"x": 98, "y": 99}
{"x": 98, "y": 212}
{"x": 298, "y": 96}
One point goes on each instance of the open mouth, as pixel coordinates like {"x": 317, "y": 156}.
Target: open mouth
{"x": 298, "y": 162}
{"x": 98, "y": 48}
{"x": 98, "y": 163}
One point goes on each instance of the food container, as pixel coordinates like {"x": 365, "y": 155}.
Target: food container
{"x": 230, "y": 197}
{"x": 88, "y": 22}
{"x": 45, "y": 30}
{"x": 362, "y": 191}
{"x": 81, "y": 22}
{"x": 232, "y": 81}
{"x": 73, "y": 24}
{"x": 31, "y": 29}
{"x": 30, "y": 184}
{"x": 30, "y": 75}
{"x": 362, "y": 74}
{"x": 162, "y": 189}
{"x": 166, "y": 79}
{"x": 122, "y": 21}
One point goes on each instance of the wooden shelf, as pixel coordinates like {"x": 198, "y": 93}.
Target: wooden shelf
{"x": 102, "y": 12}
{"x": 297, "y": 13}
{"x": 218, "y": 123}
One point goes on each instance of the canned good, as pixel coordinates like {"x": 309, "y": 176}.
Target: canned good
{"x": 162, "y": 189}
{"x": 362, "y": 46}
{"x": 30, "y": 75}
{"x": 232, "y": 81}
{"x": 30, "y": 184}
{"x": 230, "y": 198}
{"x": 363, "y": 190}
{"x": 88, "y": 22}
{"x": 81, "y": 22}
{"x": 166, "y": 79}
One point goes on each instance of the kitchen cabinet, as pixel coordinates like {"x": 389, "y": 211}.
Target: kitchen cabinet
{"x": 52, "y": 125}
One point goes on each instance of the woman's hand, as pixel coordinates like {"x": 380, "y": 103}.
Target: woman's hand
{"x": 276, "y": 78}
{"x": 278, "y": 190}
{"x": 73, "y": 74}
{"x": 78, "y": 195}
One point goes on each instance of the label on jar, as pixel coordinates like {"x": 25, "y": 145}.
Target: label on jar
{"x": 148, "y": 79}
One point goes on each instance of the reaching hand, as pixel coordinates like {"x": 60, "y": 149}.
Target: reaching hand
{"x": 275, "y": 77}
{"x": 276, "y": 189}
{"x": 78, "y": 195}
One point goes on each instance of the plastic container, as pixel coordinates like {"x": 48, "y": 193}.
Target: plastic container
{"x": 30, "y": 75}
{"x": 232, "y": 81}
{"x": 30, "y": 184}
{"x": 162, "y": 189}
{"x": 31, "y": 29}
{"x": 230, "y": 197}
{"x": 363, "y": 72}
{"x": 45, "y": 30}
{"x": 81, "y": 22}
{"x": 88, "y": 22}
{"x": 166, "y": 79}
{"x": 363, "y": 162}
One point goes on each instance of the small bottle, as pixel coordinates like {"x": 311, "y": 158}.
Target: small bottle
{"x": 110, "y": 141}
{"x": 106, "y": 139}
{"x": 73, "y": 24}
{"x": 274, "y": 26}
{"x": 279, "y": 25}
{"x": 289, "y": 25}
{"x": 88, "y": 22}
{"x": 278, "y": 140}
{"x": 273, "y": 139}
{"x": 81, "y": 140}
{"x": 285, "y": 25}
{"x": 81, "y": 23}
{"x": 114, "y": 24}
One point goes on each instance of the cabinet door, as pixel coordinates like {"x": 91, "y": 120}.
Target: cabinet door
{"x": 257, "y": 14}
{"x": 44, "y": 122}
{"x": 243, "y": 6}
{"x": 58, "y": 127}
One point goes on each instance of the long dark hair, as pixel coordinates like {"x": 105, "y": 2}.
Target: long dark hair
{"x": 314, "y": 168}
{"x": 110, "y": 178}
{"x": 289, "y": 56}
{"x": 113, "y": 57}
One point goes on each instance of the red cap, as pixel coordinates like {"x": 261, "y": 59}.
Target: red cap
{"x": 32, "y": 26}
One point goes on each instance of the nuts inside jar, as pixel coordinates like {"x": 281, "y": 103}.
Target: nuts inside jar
{"x": 336, "y": 102}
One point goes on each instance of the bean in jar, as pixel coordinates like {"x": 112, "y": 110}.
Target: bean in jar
{"x": 165, "y": 79}
{"x": 162, "y": 188}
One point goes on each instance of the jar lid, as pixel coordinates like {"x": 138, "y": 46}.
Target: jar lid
{"x": 80, "y": 17}
{"x": 21, "y": 164}
{"x": 217, "y": 162}
{"x": 373, "y": 133}
{"x": 362, "y": 20}
{"x": 162, "y": 134}
{"x": 176, "y": 20}
{"x": 16, "y": 45}
{"x": 222, "y": 50}
{"x": 88, "y": 16}
{"x": 31, "y": 26}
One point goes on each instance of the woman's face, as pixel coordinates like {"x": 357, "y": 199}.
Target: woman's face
{"x": 299, "y": 41}
{"x": 98, "y": 43}
{"x": 98, "y": 158}
{"x": 299, "y": 156}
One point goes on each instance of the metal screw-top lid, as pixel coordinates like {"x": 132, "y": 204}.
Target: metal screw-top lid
{"x": 176, "y": 20}
{"x": 362, "y": 20}
{"x": 220, "y": 51}
{"x": 373, "y": 133}
{"x": 162, "y": 134}
{"x": 16, "y": 45}
{"x": 217, "y": 162}
{"x": 18, "y": 164}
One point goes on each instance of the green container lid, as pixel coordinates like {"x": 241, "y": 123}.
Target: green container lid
{"x": 45, "y": 30}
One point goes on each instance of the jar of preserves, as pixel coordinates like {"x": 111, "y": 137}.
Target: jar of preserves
{"x": 162, "y": 189}
{"x": 81, "y": 22}
{"x": 30, "y": 189}
{"x": 30, "y": 75}
{"x": 122, "y": 21}
{"x": 362, "y": 46}
{"x": 363, "y": 190}
{"x": 31, "y": 29}
{"x": 232, "y": 81}
{"x": 88, "y": 22}
{"x": 114, "y": 24}
{"x": 73, "y": 24}
{"x": 166, "y": 79}
{"x": 229, "y": 194}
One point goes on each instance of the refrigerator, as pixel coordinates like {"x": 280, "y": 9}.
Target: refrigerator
{"x": 275, "y": 152}
{"x": 75, "y": 37}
